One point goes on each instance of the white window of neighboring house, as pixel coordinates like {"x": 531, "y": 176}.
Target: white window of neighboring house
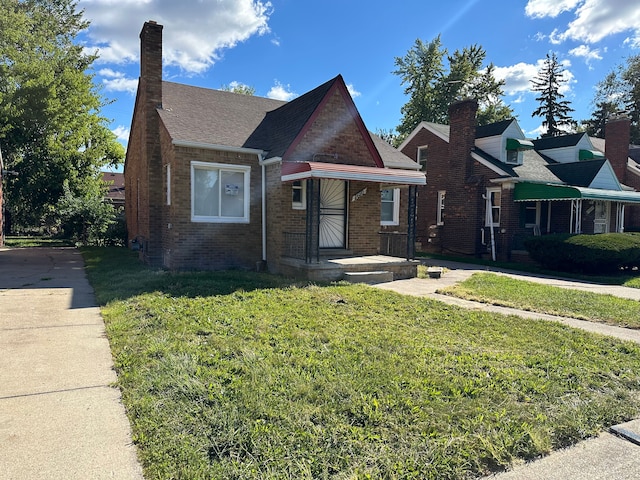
{"x": 299, "y": 195}
{"x": 168, "y": 179}
{"x": 219, "y": 193}
{"x": 440, "y": 212}
{"x": 422, "y": 158}
{"x": 513, "y": 157}
{"x": 390, "y": 206}
{"x": 494, "y": 195}
{"x": 531, "y": 214}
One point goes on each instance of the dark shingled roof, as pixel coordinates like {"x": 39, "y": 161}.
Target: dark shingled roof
{"x": 579, "y": 174}
{"x": 493, "y": 129}
{"x": 558, "y": 142}
{"x": 281, "y": 126}
{"x": 214, "y": 117}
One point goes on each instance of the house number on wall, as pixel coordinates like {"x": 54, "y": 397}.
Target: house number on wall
{"x": 361, "y": 193}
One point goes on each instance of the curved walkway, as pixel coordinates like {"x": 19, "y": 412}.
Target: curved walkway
{"x": 614, "y": 453}
{"x": 60, "y": 415}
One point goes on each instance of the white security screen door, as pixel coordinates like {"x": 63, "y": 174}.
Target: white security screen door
{"x": 332, "y": 213}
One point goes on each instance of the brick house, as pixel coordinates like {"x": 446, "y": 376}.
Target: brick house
{"x": 218, "y": 180}
{"x": 490, "y": 188}
{"x": 115, "y": 189}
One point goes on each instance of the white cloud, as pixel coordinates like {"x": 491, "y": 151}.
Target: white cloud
{"x": 549, "y": 8}
{"x": 122, "y": 133}
{"x": 192, "y": 45}
{"x": 589, "y": 55}
{"x": 352, "y": 91}
{"x": 117, "y": 81}
{"x": 281, "y": 92}
{"x": 518, "y": 77}
{"x": 594, "y": 19}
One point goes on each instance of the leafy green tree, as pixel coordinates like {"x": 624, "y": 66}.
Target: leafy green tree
{"x": 631, "y": 77}
{"x": 608, "y": 100}
{"x": 85, "y": 219}
{"x": 432, "y": 87}
{"x": 51, "y": 129}
{"x": 553, "y": 108}
{"x": 618, "y": 92}
{"x": 239, "y": 88}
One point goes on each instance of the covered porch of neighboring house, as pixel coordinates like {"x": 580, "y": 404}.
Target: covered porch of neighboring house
{"x": 551, "y": 208}
{"x": 333, "y": 197}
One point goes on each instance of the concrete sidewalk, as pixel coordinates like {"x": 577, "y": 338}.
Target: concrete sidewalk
{"x": 60, "y": 415}
{"x": 608, "y": 456}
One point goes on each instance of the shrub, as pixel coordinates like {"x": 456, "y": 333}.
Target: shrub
{"x": 602, "y": 253}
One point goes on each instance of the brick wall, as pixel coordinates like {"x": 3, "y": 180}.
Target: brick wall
{"x": 207, "y": 246}
{"x": 364, "y": 219}
{"x": 617, "y": 132}
{"x": 334, "y": 131}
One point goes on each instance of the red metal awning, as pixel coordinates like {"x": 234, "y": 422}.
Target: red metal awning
{"x": 338, "y": 171}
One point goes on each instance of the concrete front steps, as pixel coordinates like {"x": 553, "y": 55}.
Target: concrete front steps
{"x": 371, "y": 278}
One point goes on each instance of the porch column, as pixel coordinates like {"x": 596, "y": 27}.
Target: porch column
{"x": 312, "y": 233}
{"x": 411, "y": 223}
{"x": 576, "y": 216}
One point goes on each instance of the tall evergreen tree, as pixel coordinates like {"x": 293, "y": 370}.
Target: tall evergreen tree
{"x": 553, "y": 108}
{"x": 432, "y": 87}
{"x": 51, "y": 129}
{"x": 631, "y": 77}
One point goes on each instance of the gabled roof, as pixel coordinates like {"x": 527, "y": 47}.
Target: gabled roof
{"x": 493, "y": 129}
{"x": 201, "y": 116}
{"x": 548, "y": 143}
{"x": 214, "y": 117}
{"x": 580, "y": 174}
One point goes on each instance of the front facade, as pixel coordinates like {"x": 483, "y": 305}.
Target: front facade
{"x": 490, "y": 188}
{"x": 218, "y": 180}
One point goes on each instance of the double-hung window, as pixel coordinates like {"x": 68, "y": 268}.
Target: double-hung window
{"x": 390, "y": 206}
{"x": 422, "y": 158}
{"x": 299, "y": 195}
{"x": 219, "y": 193}
{"x": 494, "y": 197}
{"x": 440, "y": 211}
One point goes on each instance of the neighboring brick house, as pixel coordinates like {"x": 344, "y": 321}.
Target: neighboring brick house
{"x": 218, "y": 180}
{"x": 115, "y": 188}
{"x": 490, "y": 188}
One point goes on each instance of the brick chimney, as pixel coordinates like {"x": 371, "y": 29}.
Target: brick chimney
{"x": 462, "y": 214}
{"x": 143, "y": 165}
{"x": 462, "y": 137}
{"x": 617, "y": 138}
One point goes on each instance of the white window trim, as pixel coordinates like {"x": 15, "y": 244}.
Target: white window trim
{"x": 423, "y": 163}
{"x": 302, "y": 204}
{"x": 396, "y": 208}
{"x": 487, "y": 222}
{"x": 246, "y": 170}
{"x": 440, "y": 212}
{"x": 538, "y": 205}
{"x": 168, "y": 191}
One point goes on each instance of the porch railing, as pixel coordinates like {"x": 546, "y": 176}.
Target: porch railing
{"x": 294, "y": 245}
{"x": 393, "y": 244}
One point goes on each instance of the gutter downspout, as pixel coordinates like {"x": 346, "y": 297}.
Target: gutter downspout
{"x": 489, "y": 219}
{"x": 263, "y": 195}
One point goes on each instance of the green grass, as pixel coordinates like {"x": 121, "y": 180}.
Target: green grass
{"x": 33, "y": 241}
{"x": 240, "y": 375}
{"x": 524, "y": 295}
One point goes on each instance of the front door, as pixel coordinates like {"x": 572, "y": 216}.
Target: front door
{"x": 333, "y": 218}
{"x": 601, "y": 220}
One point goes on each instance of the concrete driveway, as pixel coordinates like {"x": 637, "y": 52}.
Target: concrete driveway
{"x": 60, "y": 415}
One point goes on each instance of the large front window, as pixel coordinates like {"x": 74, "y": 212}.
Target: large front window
{"x": 219, "y": 193}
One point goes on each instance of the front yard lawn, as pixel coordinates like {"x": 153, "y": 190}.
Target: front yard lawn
{"x": 536, "y": 297}
{"x": 249, "y": 376}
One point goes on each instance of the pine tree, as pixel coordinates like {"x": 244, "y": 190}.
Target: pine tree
{"x": 553, "y": 108}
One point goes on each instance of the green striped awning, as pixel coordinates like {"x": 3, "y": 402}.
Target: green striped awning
{"x": 590, "y": 155}
{"x": 519, "y": 144}
{"x": 524, "y": 192}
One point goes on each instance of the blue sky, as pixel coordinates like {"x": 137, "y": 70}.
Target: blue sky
{"x": 284, "y": 48}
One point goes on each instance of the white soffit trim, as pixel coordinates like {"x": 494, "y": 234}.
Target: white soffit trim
{"x": 211, "y": 146}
